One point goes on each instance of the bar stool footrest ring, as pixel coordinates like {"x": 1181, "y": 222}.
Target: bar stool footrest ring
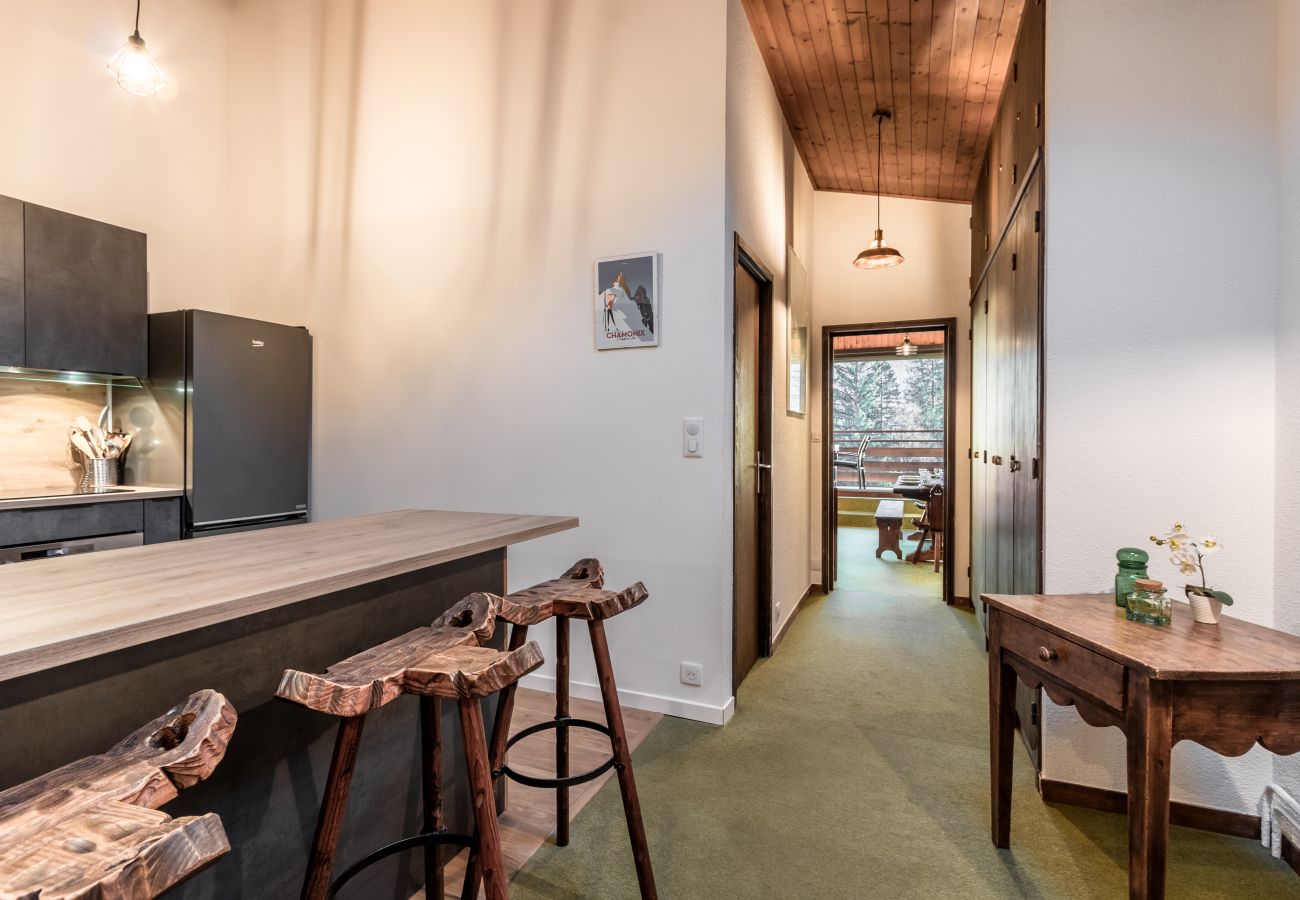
{"x": 425, "y": 839}
{"x": 569, "y": 781}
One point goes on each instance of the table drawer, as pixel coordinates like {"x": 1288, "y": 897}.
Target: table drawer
{"x": 1072, "y": 665}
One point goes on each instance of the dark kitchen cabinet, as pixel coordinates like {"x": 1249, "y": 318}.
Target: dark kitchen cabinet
{"x": 162, "y": 520}
{"x": 11, "y": 282}
{"x": 66, "y": 523}
{"x": 86, "y": 294}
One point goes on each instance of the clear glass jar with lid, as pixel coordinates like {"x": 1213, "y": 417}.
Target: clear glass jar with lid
{"x": 1149, "y": 603}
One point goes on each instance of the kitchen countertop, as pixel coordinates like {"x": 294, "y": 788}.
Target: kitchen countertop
{"x": 62, "y": 497}
{"x": 59, "y": 611}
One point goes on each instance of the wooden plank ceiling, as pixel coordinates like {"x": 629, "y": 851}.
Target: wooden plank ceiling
{"x": 937, "y": 65}
{"x": 887, "y": 341}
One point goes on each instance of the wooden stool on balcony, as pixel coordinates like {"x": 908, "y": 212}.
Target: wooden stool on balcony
{"x": 93, "y": 829}
{"x": 443, "y": 661}
{"x": 889, "y": 522}
{"x": 577, "y": 594}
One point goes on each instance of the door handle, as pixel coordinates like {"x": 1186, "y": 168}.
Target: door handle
{"x": 997, "y": 460}
{"x": 1015, "y": 464}
{"x": 758, "y": 476}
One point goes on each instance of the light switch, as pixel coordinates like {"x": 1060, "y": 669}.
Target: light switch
{"x": 693, "y": 437}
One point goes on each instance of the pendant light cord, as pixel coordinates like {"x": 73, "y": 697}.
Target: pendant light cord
{"x": 880, "y": 126}
{"x": 137, "y": 18}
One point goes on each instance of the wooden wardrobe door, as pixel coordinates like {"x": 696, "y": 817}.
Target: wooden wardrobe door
{"x": 1001, "y": 317}
{"x": 979, "y": 511}
{"x": 1026, "y": 549}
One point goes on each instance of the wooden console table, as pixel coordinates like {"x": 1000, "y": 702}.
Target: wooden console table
{"x": 1226, "y": 686}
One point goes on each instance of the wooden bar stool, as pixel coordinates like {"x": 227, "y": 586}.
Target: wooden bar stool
{"x": 443, "y": 661}
{"x": 577, "y": 594}
{"x": 92, "y": 828}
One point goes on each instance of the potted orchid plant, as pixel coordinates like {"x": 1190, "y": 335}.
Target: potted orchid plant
{"x": 1188, "y": 554}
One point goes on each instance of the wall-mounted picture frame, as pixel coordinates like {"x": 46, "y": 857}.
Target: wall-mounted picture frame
{"x": 798, "y": 335}
{"x": 627, "y": 301}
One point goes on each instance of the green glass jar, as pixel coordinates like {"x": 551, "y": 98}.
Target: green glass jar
{"x": 1149, "y": 604}
{"x": 1132, "y": 566}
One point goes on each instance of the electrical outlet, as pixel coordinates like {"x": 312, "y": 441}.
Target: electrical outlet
{"x": 693, "y": 673}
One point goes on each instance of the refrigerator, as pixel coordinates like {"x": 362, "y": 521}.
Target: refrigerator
{"x": 236, "y": 393}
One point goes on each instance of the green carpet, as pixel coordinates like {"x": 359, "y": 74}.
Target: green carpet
{"x": 857, "y": 767}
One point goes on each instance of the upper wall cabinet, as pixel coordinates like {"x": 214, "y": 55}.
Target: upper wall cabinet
{"x": 11, "y": 282}
{"x": 73, "y": 292}
{"x": 1016, "y": 138}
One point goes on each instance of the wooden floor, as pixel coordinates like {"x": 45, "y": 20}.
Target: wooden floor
{"x": 529, "y": 819}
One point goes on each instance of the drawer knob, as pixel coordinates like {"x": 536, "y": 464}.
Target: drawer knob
{"x": 1047, "y": 654}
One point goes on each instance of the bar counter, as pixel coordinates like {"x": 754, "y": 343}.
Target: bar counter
{"x": 93, "y": 646}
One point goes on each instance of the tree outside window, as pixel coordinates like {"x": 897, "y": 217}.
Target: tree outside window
{"x": 888, "y": 395}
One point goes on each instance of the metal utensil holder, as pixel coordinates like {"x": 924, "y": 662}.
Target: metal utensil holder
{"x": 99, "y": 472}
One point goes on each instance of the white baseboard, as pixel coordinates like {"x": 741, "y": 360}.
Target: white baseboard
{"x": 670, "y": 706}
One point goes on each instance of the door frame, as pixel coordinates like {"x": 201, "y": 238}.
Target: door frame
{"x": 746, "y": 258}
{"x": 830, "y": 518}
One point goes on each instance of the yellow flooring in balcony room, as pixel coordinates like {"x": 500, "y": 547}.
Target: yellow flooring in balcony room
{"x": 857, "y": 767}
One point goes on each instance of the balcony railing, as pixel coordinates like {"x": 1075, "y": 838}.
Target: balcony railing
{"x": 890, "y": 452}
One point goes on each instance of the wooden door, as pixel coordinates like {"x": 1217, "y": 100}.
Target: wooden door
{"x": 752, "y": 526}
{"x": 86, "y": 294}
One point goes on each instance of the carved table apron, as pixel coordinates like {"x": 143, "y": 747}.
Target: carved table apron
{"x": 1226, "y": 687}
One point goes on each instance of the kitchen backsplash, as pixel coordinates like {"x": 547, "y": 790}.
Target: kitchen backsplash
{"x": 35, "y": 454}
{"x": 34, "y": 420}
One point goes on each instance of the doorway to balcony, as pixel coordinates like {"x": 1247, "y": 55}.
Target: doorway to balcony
{"x": 887, "y": 435}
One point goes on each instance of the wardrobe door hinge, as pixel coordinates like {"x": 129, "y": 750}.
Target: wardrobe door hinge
{"x": 1013, "y": 262}
{"x": 1038, "y": 220}
{"x": 1033, "y": 468}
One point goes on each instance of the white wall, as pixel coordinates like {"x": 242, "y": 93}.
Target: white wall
{"x": 1287, "y": 489}
{"x": 769, "y": 204}
{"x": 933, "y": 282}
{"x": 428, "y": 185}
{"x": 76, "y": 141}
{"x": 1162, "y": 255}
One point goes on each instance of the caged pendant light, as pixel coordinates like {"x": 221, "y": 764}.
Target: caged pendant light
{"x": 878, "y": 255}
{"x": 133, "y": 67}
{"x": 907, "y": 348}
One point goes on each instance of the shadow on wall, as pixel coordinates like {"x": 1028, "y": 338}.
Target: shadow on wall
{"x": 336, "y": 96}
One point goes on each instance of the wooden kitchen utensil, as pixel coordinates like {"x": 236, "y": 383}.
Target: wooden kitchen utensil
{"x": 79, "y": 441}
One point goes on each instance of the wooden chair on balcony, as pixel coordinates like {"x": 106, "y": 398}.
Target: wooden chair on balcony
{"x": 855, "y": 461}
{"x": 932, "y": 526}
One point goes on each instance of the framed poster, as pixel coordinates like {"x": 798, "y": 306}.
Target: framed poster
{"x": 627, "y": 301}
{"x": 797, "y": 336}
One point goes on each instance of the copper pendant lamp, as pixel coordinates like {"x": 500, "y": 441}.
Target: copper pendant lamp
{"x": 878, "y": 255}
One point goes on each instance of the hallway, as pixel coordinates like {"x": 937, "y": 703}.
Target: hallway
{"x": 856, "y": 767}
